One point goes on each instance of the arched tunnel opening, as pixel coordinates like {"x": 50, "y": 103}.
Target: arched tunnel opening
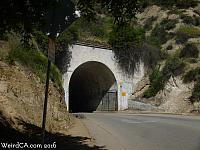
{"x": 92, "y": 87}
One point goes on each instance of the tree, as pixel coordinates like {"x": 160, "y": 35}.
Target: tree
{"x": 25, "y": 14}
{"x": 123, "y": 11}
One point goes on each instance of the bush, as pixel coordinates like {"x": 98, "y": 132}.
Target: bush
{"x": 151, "y": 55}
{"x": 149, "y": 23}
{"x": 169, "y": 3}
{"x": 89, "y": 31}
{"x": 37, "y": 62}
{"x": 169, "y": 24}
{"x": 159, "y": 33}
{"x": 186, "y": 32}
{"x": 195, "y": 93}
{"x": 173, "y": 66}
{"x": 195, "y": 20}
{"x": 191, "y": 31}
{"x": 192, "y": 75}
{"x": 157, "y": 83}
{"x": 126, "y": 42}
{"x": 189, "y": 51}
{"x": 42, "y": 40}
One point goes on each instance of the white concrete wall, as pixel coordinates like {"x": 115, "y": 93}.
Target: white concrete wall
{"x": 82, "y": 54}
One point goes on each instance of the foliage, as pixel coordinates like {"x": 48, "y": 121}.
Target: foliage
{"x": 63, "y": 55}
{"x": 169, "y": 3}
{"x": 195, "y": 93}
{"x": 192, "y": 75}
{"x": 36, "y": 61}
{"x": 66, "y": 38}
{"x": 173, "y": 66}
{"x": 160, "y": 34}
{"x": 157, "y": 83}
{"x": 29, "y": 14}
{"x": 151, "y": 55}
{"x": 186, "y": 32}
{"x": 191, "y": 20}
{"x": 98, "y": 29}
{"x": 191, "y": 31}
{"x": 126, "y": 42}
{"x": 189, "y": 51}
{"x": 149, "y": 22}
{"x": 41, "y": 39}
{"x": 122, "y": 10}
{"x": 168, "y": 24}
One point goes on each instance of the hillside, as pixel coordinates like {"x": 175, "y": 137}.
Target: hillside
{"x": 173, "y": 86}
{"x": 22, "y": 96}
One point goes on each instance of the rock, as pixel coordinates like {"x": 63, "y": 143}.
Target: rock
{"x": 175, "y": 96}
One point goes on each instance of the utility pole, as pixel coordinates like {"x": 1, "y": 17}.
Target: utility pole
{"x": 51, "y": 58}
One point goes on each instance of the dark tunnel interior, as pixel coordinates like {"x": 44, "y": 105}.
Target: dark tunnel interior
{"x": 92, "y": 87}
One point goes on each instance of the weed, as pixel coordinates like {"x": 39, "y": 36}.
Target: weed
{"x": 157, "y": 83}
{"x": 36, "y": 61}
{"x": 195, "y": 93}
{"x": 160, "y": 33}
{"x": 174, "y": 66}
{"x": 192, "y": 75}
{"x": 191, "y": 20}
{"x": 186, "y": 32}
{"x": 189, "y": 51}
{"x": 149, "y": 22}
{"x": 191, "y": 31}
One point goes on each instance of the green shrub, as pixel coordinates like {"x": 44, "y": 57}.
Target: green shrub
{"x": 160, "y": 33}
{"x": 173, "y": 66}
{"x": 192, "y": 60}
{"x": 126, "y": 42}
{"x": 191, "y": 20}
{"x": 151, "y": 55}
{"x": 42, "y": 40}
{"x": 157, "y": 83}
{"x": 169, "y": 24}
{"x": 186, "y": 32}
{"x": 149, "y": 23}
{"x": 36, "y": 61}
{"x": 192, "y": 75}
{"x": 189, "y": 51}
{"x": 169, "y": 3}
{"x": 89, "y": 31}
{"x": 195, "y": 93}
{"x": 191, "y": 31}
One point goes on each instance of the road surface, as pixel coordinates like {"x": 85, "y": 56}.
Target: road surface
{"x": 126, "y": 131}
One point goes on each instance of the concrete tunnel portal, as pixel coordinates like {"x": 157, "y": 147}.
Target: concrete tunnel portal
{"x": 92, "y": 87}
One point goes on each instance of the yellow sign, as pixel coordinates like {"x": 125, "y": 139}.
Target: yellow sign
{"x": 123, "y": 93}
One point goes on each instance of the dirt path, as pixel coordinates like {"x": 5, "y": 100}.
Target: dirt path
{"x": 79, "y": 129}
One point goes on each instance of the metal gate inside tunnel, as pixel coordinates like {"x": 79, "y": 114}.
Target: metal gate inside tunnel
{"x": 108, "y": 102}
{"x": 92, "y": 87}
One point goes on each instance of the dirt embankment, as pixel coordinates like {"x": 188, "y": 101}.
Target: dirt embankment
{"x": 21, "y": 104}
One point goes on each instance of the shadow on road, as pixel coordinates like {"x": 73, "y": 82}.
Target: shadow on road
{"x": 31, "y": 134}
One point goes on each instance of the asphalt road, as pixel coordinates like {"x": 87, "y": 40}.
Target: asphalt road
{"x": 123, "y": 131}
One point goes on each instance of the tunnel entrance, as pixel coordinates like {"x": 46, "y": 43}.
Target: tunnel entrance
{"x": 92, "y": 87}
